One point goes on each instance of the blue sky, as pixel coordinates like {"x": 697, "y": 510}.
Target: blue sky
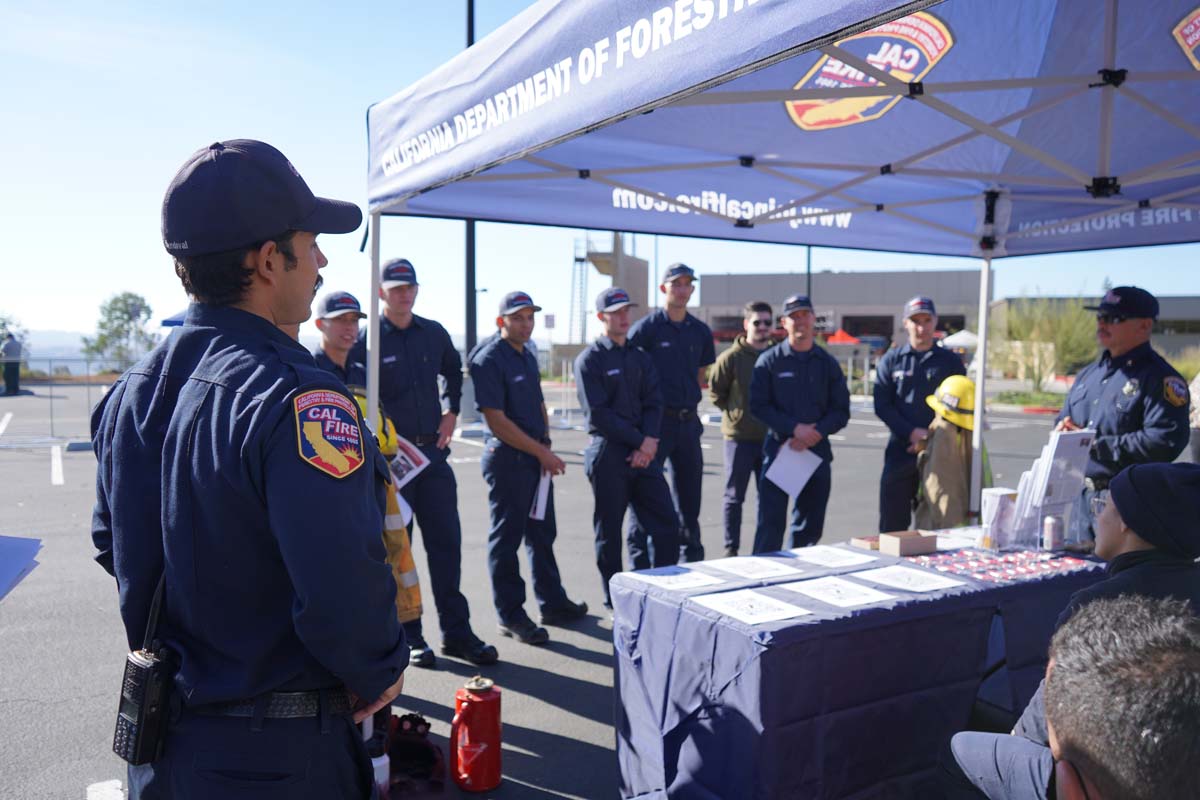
{"x": 103, "y": 102}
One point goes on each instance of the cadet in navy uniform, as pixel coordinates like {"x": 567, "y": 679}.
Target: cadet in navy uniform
{"x": 234, "y": 469}
{"x": 799, "y": 391}
{"x": 414, "y": 351}
{"x": 338, "y": 316}
{"x": 1135, "y": 401}
{"x": 618, "y": 390}
{"x": 682, "y": 349}
{"x": 904, "y": 377}
{"x": 1145, "y": 531}
{"x": 508, "y": 392}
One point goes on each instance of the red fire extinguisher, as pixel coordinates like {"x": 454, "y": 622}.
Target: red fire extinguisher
{"x": 475, "y": 736}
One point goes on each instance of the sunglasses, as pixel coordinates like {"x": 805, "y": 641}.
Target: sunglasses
{"x": 1098, "y": 502}
{"x": 762, "y": 323}
{"x": 1111, "y": 319}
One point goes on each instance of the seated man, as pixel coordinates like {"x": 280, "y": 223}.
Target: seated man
{"x": 1122, "y": 701}
{"x": 1148, "y": 530}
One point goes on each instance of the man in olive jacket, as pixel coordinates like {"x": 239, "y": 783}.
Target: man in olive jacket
{"x": 729, "y": 388}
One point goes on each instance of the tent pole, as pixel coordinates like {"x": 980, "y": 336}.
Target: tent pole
{"x": 373, "y": 325}
{"x": 808, "y": 273}
{"x": 470, "y": 242}
{"x": 985, "y": 285}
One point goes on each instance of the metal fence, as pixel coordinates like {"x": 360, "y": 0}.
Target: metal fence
{"x": 55, "y": 400}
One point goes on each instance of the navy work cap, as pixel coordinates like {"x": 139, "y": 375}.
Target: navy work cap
{"x": 398, "y": 272}
{"x": 613, "y": 299}
{"x": 337, "y": 304}
{"x": 238, "y": 193}
{"x": 678, "y": 271}
{"x": 919, "y": 305}
{"x": 1161, "y": 503}
{"x": 795, "y": 303}
{"x": 515, "y": 301}
{"x": 1127, "y": 301}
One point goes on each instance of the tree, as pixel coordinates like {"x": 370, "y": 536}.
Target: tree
{"x": 1053, "y": 336}
{"x": 121, "y": 334}
{"x": 10, "y": 324}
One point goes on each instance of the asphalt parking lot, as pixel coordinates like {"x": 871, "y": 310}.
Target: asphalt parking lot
{"x": 62, "y": 647}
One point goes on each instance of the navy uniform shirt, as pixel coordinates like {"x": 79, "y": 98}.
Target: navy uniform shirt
{"x": 410, "y": 360}
{"x": 679, "y": 350}
{"x": 618, "y": 390}
{"x": 228, "y": 450}
{"x": 1138, "y": 406}
{"x": 904, "y": 377}
{"x": 353, "y": 374}
{"x": 787, "y": 388}
{"x": 509, "y": 381}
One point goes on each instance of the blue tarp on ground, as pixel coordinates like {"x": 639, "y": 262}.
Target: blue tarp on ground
{"x": 787, "y": 138}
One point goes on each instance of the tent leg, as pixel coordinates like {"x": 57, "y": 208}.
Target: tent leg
{"x": 373, "y": 325}
{"x": 985, "y": 285}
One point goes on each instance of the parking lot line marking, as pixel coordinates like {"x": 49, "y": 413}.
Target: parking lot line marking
{"x": 105, "y": 790}
{"x": 56, "y": 470}
{"x": 4, "y": 422}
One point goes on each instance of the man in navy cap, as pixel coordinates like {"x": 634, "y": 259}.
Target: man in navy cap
{"x": 338, "y": 315}
{"x": 618, "y": 391}
{"x": 1134, "y": 400}
{"x": 235, "y": 482}
{"x": 682, "y": 349}
{"x": 1146, "y": 529}
{"x": 904, "y": 377}
{"x": 799, "y": 391}
{"x": 508, "y": 392}
{"x": 413, "y": 352}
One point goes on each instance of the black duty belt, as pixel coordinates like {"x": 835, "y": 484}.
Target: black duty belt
{"x": 283, "y": 705}
{"x": 425, "y": 441}
{"x": 682, "y": 414}
{"x": 1096, "y": 484}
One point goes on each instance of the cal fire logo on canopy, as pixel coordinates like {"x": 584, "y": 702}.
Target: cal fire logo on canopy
{"x": 1187, "y": 33}
{"x": 906, "y": 49}
{"x": 327, "y": 432}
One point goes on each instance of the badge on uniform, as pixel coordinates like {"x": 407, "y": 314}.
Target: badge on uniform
{"x": 1130, "y": 388}
{"x": 327, "y": 432}
{"x": 1175, "y": 391}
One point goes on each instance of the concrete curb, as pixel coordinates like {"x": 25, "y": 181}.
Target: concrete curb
{"x": 1011, "y": 409}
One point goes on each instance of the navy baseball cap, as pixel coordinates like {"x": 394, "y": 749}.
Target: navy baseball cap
{"x": 678, "y": 271}
{"x": 515, "y": 301}
{"x": 398, "y": 272}
{"x": 613, "y": 299}
{"x": 238, "y": 193}
{"x": 1127, "y": 301}
{"x": 919, "y": 305}
{"x": 337, "y": 304}
{"x": 795, "y": 303}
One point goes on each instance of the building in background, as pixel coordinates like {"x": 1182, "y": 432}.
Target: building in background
{"x": 866, "y": 305}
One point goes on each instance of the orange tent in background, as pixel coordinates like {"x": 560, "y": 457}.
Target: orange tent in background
{"x": 841, "y": 337}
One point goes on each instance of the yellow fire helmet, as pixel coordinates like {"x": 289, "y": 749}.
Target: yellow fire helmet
{"x": 955, "y": 400}
{"x": 385, "y": 432}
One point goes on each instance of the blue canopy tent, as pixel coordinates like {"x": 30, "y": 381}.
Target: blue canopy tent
{"x": 954, "y": 128}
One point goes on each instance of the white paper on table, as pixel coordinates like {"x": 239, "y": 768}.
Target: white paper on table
{"x": 837, "y": 592}
{"x": 907, "y": 578}
{"x": 826, "y": 556}
{"x": 407, "y": 463}
{"x": 791, "y": 469}
{"x": 959, "y": 538}
{"x": 538, "y": 510}
{"x": 752, "y": 567}
{"x": 749, "y": 606}
{"x": 676, "y": 578}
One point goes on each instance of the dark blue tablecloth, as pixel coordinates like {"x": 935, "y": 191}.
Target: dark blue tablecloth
{"x": 837, "y": 704}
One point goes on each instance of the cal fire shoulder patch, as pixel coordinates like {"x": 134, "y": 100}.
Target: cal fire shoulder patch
{"x": 1175, "y": 391}
{"x": 327, "y": 432}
